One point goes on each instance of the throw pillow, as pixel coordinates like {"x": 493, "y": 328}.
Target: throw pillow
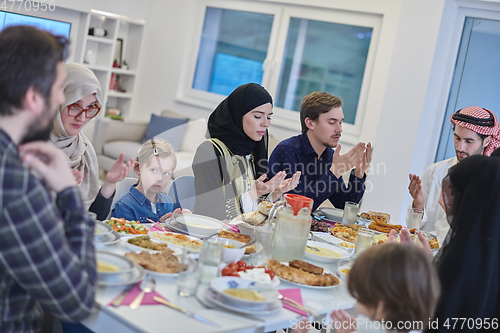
{"x": 166, "y": 128}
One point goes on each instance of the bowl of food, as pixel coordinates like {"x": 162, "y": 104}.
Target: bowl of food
{"x": 242, "y": 292}
{"x": 143, "y": 242}
{"x": 110, "y": 265}
{"x": 101, "y": 230}
{"x": 324, "y": 252}
{"x": 343, "y": 270}
{"x": 196, "y": 224}
{"x": 230, "y": 252}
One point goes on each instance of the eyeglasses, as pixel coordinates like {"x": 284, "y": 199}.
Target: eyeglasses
{"x": 75, "y": 110}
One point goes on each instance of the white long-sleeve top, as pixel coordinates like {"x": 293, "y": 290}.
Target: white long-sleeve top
{"x": 434, "y": 218}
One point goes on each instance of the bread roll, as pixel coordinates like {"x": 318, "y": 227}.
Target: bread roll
{"x": 265, "y": 207}
{"x": 254, "y": 218}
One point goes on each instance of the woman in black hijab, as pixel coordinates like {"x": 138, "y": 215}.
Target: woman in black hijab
{"x": 230, "y": 167}
{"x": 469, "y": 262}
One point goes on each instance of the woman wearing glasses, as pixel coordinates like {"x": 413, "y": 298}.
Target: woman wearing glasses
{"x": 83, "y": 102}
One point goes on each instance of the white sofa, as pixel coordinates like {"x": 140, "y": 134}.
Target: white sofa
{"x": 112, "y": 137}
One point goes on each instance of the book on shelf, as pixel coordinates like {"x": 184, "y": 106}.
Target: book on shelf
{"x": 115, "y": 83}
{"x": 114, "y": 113}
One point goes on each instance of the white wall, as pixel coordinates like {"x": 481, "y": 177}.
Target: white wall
{"x": 404, "y": 101}
{"x": 131, "y": 8}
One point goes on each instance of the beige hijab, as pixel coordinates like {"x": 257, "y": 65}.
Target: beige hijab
{"x": 81, "y": 82}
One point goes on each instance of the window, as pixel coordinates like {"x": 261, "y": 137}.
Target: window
{"x": 232, "y": 50}
{"x": 323, "y": 56}
{"x": 476, "y": 78}
{"x": 292, "y": 51}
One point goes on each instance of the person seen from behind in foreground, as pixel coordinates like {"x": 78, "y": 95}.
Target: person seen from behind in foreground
{"x": 47, "y": 256}
{"x": 467, "y": 263}
{"x": 396, "y": 290}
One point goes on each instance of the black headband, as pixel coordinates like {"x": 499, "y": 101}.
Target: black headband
{"x": 490, "y": 121}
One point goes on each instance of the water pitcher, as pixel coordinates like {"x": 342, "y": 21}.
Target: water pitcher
{"x": 292, "y": 227}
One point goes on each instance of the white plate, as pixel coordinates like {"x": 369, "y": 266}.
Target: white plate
{"x": 231, "y": 282}
{"x": 375, "y": 231}
{"x": 134, "y": 276}
{"x": 344, "y": 254}
{"x": 180, "y": 231}
{"x": 122, "y": 234}
{"x": 329, "y": 238}
{"x": 136, "y": 248}
{"x": 101, "y": 229}
{"x": 161, "y": 275}
{"x": 198, "y": 224}
{"x": 175, "y": 245}
{"x": 124, "y": 264}
{"x": 333, "y": 214}
{"x": 269, "y": 309}
{"x": 313, "y": 287}
{"x": 107, "y": 239}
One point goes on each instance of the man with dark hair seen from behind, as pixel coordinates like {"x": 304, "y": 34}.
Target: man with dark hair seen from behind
{"x": 47, "y": 256}
{"x": 311, "y": 153}
{"x": 476, "y": 131}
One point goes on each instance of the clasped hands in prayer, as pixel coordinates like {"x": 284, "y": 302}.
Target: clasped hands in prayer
{"x": 276, "y": 185}
{"x": 360, "y": 156}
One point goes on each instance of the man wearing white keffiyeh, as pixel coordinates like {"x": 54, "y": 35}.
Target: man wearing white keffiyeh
{"x": 83, "y": 102}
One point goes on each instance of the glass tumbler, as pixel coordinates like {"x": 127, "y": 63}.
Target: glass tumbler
{"x": 364, "y": 240}
{"x": 415, "y": 219}
{"x": 263, "y": 246}
{"x": 189, "y": 277}
{"x": 210, "y": 260}
{"x": 350, "y": 213}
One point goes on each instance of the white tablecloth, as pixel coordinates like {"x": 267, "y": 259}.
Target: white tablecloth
{"x": 159, "y": 318}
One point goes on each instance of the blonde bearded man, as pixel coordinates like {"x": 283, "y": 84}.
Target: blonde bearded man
{"x": 476, "y": 132}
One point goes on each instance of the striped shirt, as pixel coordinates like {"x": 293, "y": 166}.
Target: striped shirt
{"x": 47, "y": 256}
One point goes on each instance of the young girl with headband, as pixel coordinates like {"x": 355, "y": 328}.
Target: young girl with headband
{"x": 154, "y": 165}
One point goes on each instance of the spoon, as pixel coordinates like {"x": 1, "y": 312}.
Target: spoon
{"x": 247, "y": 244}
{"x": 313, "y": 248}
{"x": 147, "y": 285}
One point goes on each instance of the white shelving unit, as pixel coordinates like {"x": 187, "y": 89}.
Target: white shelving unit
{"x": 101, "y": 53}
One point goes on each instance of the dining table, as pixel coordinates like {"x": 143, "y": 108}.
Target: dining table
{"x": 160, "y": 318}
